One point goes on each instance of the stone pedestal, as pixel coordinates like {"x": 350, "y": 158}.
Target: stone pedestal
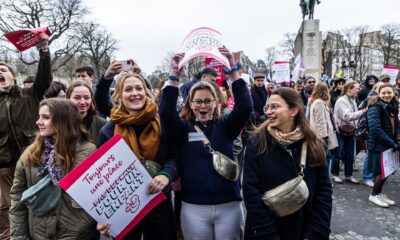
{"x": 308, "y": 44}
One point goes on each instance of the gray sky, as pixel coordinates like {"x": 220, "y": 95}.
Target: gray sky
{"x": 148, "y": 29}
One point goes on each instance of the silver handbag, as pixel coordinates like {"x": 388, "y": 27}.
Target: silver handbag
{"x": 290, "y": 196}
{"x": 224, "y": 166}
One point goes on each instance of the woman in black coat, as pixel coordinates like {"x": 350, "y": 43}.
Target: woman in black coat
{"x": 273, "y": 158}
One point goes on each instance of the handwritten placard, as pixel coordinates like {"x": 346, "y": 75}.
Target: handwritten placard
{"x": 392, "y": 71}
{"x": 112, "y": 186}
{"x": 282, "y": 71}
{"x": 25, "y": 39}
{"x": 203, "y": 41}
{"x": 390, "y": 162}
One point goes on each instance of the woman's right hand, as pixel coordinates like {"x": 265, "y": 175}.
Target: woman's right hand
{"x": 175, "y": 71}
{"x": 104, "y": 229}
{"x": 113, "y": 69}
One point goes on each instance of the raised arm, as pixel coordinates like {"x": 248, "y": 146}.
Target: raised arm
{"x": 43, "y": 75}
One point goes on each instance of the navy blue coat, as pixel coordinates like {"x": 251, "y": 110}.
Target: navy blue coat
{"x": 201, "y": 184}
{"x": 267, "y": 171}
{"x": 380, "y": 132}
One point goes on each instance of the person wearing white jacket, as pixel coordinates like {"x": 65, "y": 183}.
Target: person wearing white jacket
{"x": 346, "y": 115}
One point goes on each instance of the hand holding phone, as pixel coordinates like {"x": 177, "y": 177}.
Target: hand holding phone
{"x": 126, "y": 65}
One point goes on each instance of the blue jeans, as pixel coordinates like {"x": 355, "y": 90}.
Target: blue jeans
{"x": 367, "y": 175}
{"x": 346, "y": 145}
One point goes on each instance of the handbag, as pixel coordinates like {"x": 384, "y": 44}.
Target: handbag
{"x": 42, "y": 197}
{"x": 347, "y": 130}
{"x": 152, "y": 167}
{"x": 224, "y": 166}
{"x": 290, "y": 196}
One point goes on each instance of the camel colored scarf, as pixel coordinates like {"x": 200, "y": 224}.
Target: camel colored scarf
{"x": 149, "y": 140}
{"x": 286, "y": 139}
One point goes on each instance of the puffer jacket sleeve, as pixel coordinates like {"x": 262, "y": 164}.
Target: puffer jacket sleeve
{"x": 319, "y": 224}
{"x": 43, "y": 77}
{"x": 19, "y": 227}
{"x": 262, "y": 224}
{"x": 375, "y": 127}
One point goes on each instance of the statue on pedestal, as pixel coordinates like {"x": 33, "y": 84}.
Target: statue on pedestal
{"x": 307, "y": 8}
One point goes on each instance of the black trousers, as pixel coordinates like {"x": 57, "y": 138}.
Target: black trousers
{"x": 159, "y": 224}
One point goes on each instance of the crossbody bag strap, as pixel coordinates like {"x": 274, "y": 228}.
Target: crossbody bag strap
{"x": 205, "y": 140}
{"x": 303, "y": 158}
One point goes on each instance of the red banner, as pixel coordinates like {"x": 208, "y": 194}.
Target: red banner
{"x": 213, "y": 63}
{"x": 25, "y": 39}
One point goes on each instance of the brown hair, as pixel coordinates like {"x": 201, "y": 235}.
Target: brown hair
{"x": 69, "y": 131}
{"x": 373, "y": 100}
{"x": 119, "y": 87}
{"x": 187, "y": 112}
{"x": 315, "y": 147}
{"x": 321, "y": 91}
{"x": 81, "y": 83}
{"x": 349, "y": 85}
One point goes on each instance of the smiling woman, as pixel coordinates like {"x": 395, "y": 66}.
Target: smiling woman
{"x": 80, "y": 93}
{"x": 134, "y": 117}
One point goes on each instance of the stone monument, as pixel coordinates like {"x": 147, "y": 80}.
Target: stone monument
{"x": 308, "y": 42}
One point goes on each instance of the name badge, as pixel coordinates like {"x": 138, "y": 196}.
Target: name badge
{"x": 196, "y": 136}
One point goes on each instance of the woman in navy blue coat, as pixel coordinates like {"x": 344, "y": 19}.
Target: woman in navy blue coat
{"x": 212, "y": 205}
{"x": 383, "y": 134}
{"x": 273, "y": 158}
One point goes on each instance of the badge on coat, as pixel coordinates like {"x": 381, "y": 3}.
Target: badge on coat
{"x": 196, "y": 136}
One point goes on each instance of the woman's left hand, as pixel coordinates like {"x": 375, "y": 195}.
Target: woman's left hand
{"x": 158, "y": 184}
{"x": 225, "y": 51}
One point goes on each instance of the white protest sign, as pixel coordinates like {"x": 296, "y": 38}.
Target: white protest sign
{"x": 392, "y": 72}
{"x": 203, "y": 41}
{"x": 111, "y": 185}
{"x": 390, "y": 162}
{"x": 282, "y": 71}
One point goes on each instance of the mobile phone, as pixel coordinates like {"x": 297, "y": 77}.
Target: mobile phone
{"x": 126, "y": 65}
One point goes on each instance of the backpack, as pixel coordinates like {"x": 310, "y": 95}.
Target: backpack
{"x": 361, "y": 131}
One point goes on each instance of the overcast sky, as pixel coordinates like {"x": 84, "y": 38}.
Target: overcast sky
{"x": 148, "y": 29}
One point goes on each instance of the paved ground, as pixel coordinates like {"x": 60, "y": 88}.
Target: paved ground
{"x": 354, "y": 217}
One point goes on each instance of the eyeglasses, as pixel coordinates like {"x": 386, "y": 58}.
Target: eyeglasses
{"x": 271, "y": 88}
{"x": 273, "y": 107}
{"x": 310, "y": 82}
{"x": 199, "y": 102}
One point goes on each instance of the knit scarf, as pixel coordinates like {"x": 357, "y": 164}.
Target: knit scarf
{"x": 48, "y": 164}
{"x": 286, "y": 139}
{"x": 146, "y": 146}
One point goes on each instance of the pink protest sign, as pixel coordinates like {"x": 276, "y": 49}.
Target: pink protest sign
{"x": 203, "y": 41}
{"x": 213, "y": 63}
{"x": 112, "y": 186}
{"x": 25, "y": 39}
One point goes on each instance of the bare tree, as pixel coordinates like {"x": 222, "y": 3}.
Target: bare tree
{"x": 98, "y": 45}
{"x": 271, "y": 54}
{"x": 390, "y": 43}
{"x": 352, "y": 45}
{"x": 287, "y": 45}
{"x": 61, "y": 16}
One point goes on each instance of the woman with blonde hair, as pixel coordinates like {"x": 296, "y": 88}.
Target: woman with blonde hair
{"x": 273, "y": 157}
{"x": 80, "y": 93}
{"x": 62, "y": 143}
{"x": 134, "y": 116}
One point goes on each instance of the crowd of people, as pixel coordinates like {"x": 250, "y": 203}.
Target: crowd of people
{"x": 217, "y": 165}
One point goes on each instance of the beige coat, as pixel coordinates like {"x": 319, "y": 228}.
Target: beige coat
{"x": 68, "y": 221}
{"x": 321, "y": 123}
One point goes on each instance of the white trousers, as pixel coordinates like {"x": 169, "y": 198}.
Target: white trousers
{"x": 218, "y": 222}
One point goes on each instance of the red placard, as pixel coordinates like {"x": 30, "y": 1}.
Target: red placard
{"x": 213, "y": 63}
{"x": 25, "y": 39}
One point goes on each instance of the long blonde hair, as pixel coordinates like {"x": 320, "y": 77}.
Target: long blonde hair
{"x": 320, "y": 91}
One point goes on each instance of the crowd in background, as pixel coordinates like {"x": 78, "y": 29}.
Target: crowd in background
{"x": 48, "y": 127}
